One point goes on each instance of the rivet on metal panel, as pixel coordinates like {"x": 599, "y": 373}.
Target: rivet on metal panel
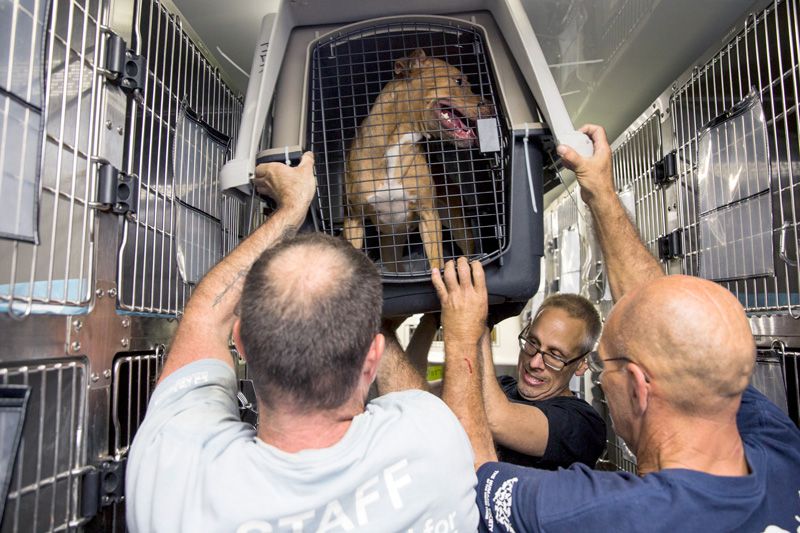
{"x": 126, "y": 322}
{"x": 75, "y": 346}
{"x": 109, "y": 124}
{"x": 95, "y": 377}
{"x": 124, "y": 342}
{"x": 112, "y": 293}
{"x": 77, "y": 324}
{"x": 120, "y": 130}
{"x": 100, "y": 293}
{"x": 107, "y": 373}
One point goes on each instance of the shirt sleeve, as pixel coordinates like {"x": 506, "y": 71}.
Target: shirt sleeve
{"x": 192, "y": 417}
{"x": 576, "y": 433}
{"x": 507, "y": 497}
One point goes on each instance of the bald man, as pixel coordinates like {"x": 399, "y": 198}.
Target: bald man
{"x": 320, "y": 459}
{"x": 675, "y": 358}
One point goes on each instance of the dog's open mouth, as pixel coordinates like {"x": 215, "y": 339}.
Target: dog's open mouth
{"x": 454, "y": 122}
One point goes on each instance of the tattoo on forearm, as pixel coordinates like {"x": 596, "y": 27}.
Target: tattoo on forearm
{"x": 242, "y": 273}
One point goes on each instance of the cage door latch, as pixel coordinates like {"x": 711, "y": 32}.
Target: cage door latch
{"x": 122, "y": 66}
{"x": 102, "y": 485}
{"x": 666, "y": 169}
{"x": 670, "y": 246}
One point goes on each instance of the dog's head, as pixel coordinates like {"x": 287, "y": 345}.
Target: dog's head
{"x": 440, "y": 99}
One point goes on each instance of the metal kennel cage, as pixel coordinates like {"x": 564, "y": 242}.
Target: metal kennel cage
{"x": 777, "y": 376}
{"x": 736, "y": 122}
{"x": 465, "y": 185}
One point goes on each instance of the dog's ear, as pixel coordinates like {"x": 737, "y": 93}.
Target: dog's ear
{"x": 405, "y": 65}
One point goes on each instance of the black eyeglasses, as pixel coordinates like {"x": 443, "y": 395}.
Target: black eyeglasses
{"x": 597, "y": 365}
{"x": 531, "y": 348}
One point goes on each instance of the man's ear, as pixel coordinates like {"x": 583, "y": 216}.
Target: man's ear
{"x": 373, "y": 358}
{"x": 237, "y": 338}
{"x": 640, "y": 388}
{"x": 404, "y": 65}
{"x": 583, "y": 366}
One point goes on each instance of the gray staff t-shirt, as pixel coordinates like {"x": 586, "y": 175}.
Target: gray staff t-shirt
{"x": 405, "y": 464}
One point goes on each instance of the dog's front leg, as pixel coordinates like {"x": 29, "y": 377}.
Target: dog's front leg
{"x": 354, "y": 230}
{"x": 430, "y": 229}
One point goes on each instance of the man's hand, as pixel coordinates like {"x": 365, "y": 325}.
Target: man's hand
{"x": 291, "y": 187}
{"x": 594, "y": 173}
{"x": 465, "y": 303}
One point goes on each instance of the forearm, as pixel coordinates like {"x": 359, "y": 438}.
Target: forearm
{"x": 419, "y": 345}
{"x": 211, "y": 311}
{"x": 396, "y": 372}
{"x": 462, "y": 393}
{"x": 494, "y": 398}
{"x": 628, "y": 264}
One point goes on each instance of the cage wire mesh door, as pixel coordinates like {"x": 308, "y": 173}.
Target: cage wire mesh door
{"x": 410, "y": 143}
{"x": 723, "y": 234}
{"x": 179, "y": 136}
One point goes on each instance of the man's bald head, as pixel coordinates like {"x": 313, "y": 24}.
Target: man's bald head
{"x": 310, "y": 308}
{"x": 691, "y": 336}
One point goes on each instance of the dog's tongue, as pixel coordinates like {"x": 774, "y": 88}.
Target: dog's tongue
{"x": 451, "y": 121}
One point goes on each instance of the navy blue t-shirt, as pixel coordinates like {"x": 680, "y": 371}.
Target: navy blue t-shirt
{"x": 577, "y": 433}
{"x": 514, "y": 498}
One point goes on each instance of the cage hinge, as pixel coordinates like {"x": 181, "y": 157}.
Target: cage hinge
{"x": 102, "y": 485}
{"x": 123, "y": 67}
{"x": 117, "y": 191}
{"x": 666, "y": 169}
{"x": 670, "y": 246}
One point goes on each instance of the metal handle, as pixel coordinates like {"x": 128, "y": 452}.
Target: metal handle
{"x": 782, "y": 246}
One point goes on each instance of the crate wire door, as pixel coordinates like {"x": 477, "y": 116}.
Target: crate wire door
{"x": 763, "y": 56}
{"x": 56, "y": 274}
{"x": 182, "y": 224}
{"x": 349, "y": 71}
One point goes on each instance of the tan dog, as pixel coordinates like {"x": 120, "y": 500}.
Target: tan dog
{"x": 388, "y": 179}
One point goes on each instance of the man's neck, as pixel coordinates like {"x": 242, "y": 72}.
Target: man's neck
{"x": 292, "y": 431}
{"x": 692, "y": 443}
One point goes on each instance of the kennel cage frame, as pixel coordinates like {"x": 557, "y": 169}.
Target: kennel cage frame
{"x": 85, "y": 341}
{"x": 402, "y": 27}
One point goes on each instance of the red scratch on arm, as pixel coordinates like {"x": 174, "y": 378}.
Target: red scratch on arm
{"x": 469, "y": 365}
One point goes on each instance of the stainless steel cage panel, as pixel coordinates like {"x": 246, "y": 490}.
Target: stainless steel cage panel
{"x": 178, "y": 139}
{"x": 762, "y": 58}
{"x": 377, "y": 158}
{"x": 777, "y": 376}
{"x": 43, "y": 495}
{"x": 135, "y": 378}
{"x": 56, "y": 274}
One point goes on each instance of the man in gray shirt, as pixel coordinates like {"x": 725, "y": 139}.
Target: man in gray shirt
{"x": 320, "y": 460}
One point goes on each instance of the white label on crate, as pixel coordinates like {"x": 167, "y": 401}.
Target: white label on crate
{"x": 488, "y": 135}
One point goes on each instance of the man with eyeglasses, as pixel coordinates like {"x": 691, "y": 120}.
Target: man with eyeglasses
{"x": 536, "y": 420}
{"x": 676, "y": 357}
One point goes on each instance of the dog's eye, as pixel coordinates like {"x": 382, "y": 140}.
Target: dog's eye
{"x": 459, "y": 81}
